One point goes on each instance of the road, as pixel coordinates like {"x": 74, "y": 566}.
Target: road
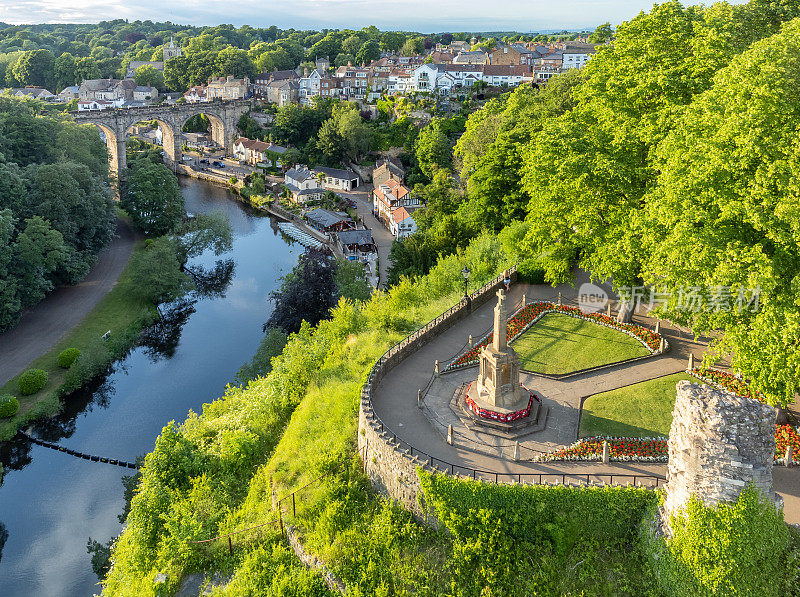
{"x": 382, "y": 237}
{"x": 41, "y": 327}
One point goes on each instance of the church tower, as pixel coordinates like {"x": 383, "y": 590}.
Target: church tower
{"x": 171, "y": 51}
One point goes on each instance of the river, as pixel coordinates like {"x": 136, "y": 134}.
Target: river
{"x": 51, "y": 503}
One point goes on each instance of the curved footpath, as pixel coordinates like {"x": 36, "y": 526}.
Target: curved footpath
{"x": 41, "y": 327}
{"x": 395, "y": 397}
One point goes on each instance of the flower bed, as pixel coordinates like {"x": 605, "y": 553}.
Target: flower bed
{"x": 530, "y": 314}
{"x": 485, "y": 413}
{"x": 726, "y": 381}
{"x": 786, "y": 435}
{"x": 638, "y": 449}
{"x": 655, "y": 449}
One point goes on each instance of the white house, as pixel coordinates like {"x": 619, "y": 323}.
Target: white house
{"x": 402, "y": 223}
{"x": 196, "y": 94}
{"x": 85, "y": 105}
{"x": 338, "y": 180}
{"x": 303, "y": 185}
{"x": 576, "y": 56}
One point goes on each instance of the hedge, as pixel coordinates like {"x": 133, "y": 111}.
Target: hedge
{"x": 744, "y": 548}
{"x": 9, "y": 405}
{"x": 67, "y": 356}
{"x": 31, "y": 381}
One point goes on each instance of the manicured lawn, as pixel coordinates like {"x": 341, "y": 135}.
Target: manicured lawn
{"x": 117, "y": 311}
{"x": 558, "y": 344}
{"x": 640, "y": 410}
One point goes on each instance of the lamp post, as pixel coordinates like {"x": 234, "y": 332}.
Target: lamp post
{"x": 465, "y": 272}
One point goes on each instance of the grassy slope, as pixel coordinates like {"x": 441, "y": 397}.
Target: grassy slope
{"x": 639, "y": 410}
{"x": 234, "y": 443}
{"x": 118, "y": 311}
{"x": 558, "y": 344}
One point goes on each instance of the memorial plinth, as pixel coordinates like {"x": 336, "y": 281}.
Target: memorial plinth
{"x": 497, "y": 399}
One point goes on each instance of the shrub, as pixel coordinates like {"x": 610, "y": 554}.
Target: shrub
{"x": 9, "y": 405}
{"x": 744, "y": 548}
{"x": 31, "y": 381}
{"x": 67, "y": 357}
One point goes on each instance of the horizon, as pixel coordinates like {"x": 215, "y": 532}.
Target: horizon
{"x": 544, "y": 16}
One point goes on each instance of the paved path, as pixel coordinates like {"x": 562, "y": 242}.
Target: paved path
{"x": 41, "y": 327}
{"x": 395, "y": 400}
{"x": 382, "y": 237}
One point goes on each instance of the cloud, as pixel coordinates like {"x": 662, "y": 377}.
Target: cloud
{"x": 417, "y": 15}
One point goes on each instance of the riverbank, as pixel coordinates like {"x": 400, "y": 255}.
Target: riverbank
{"x": 118, "y": 312}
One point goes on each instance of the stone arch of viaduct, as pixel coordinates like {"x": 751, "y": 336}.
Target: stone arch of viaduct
{"x": 116, "y": 124}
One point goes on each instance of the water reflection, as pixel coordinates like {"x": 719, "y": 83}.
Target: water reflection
{"x": 51, "y": 503}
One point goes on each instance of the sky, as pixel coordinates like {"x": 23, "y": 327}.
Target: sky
{"x": 412, "y": 15}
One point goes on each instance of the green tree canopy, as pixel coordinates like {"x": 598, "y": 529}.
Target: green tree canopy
{"x": 153, "y": 199}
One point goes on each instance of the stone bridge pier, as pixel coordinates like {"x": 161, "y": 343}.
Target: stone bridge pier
{"x": 116, "y": 125}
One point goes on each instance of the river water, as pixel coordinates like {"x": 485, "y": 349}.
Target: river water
{"x": 51, "y": 503}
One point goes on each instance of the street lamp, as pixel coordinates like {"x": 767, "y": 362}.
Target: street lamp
{"x": 465, "y": 272}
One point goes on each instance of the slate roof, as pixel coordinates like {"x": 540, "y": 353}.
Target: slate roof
{"x": 327, "y": 218}
{"x": 337, "y": 173}
{"x": 355, "y": 237}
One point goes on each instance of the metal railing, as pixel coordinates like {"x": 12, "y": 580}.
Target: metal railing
{"x": 459, "y": 470}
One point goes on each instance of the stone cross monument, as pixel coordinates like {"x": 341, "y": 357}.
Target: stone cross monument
{"x": 498, "y": 387}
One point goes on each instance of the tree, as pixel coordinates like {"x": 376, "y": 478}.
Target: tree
{"x": 413, "y": 46}
{"x": 432, "y": 149}
{"x": 155, "y": 274}
{"x": 602, "y": 34}
{"x": 153, "y": 199}
{"x": 35, "y": 68}
{"x": 368, "y": 52}
{"x": 343, "y": 60}
{"x": 65, "y": 71}
{"x": 271, "y": 345}
{"x": 233, "y": 61}
{"x": 308, "y": 293}
{"x": 350, "y": 281}
{"x": 330, "y": 142}
{"x": 723, "y": 216}
{"x": 147, "y": 76}
{"x": 37, "y": 253}
{"x": 392, "y": 41}
{"x": 351, "y": 44}
{"x": 86, "y": 68}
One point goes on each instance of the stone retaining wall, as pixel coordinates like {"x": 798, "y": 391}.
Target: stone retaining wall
{"x": 391, "y": 464}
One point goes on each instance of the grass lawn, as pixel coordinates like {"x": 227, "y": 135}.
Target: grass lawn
{"x": 639, "y": 410}
{"x": 117, "y": 311}
{"x": 558, "y": 344}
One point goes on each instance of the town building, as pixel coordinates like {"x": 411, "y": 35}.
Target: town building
{"x": 171, "y": 51}
{"x": 134, "y": 64}
{"x": 336, "y": 179}
{"x": 39, "y": 93}
{"x": 144, "y": 93}
{"x": 257, "y": 152}
{"x": 389, "y": 197}
{"x": 69, "y": 93}
{"x": 402, "y": 223}
{"x": 576, "y": 55}
{"x": 472, "y": 57}
{"x": 196, "y": 94}
{"x": 386, "y": 168}
{"x": 303, "y": 186}
{"x": 326, "y": 220}
{"x": 84, "y": 105}
{"x": 357, "y": 245}
{"x": 227, "y": 88}
{"x": 112, "y": 90}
